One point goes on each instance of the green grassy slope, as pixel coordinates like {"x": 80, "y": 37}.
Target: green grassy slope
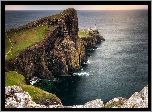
{"x": 25, "y": 38}
{"x": 13, "y": 78}
{"x": 83, "y": 33}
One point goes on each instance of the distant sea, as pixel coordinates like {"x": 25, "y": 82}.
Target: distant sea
{"x": 117, "y": 68}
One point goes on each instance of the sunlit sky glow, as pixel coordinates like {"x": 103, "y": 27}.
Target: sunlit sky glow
{"x": 77, "y": 7}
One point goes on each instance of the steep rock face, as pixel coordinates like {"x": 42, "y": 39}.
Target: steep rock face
{"x": 61, "y": 52}
{"x": 55, "y": 54}
{"x": 93, "y": 39}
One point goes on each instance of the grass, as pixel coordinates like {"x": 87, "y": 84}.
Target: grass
{"x": 57, "y": 16}
{"x": 13, "y": 78}
{"x": 83, "y": 33}
{"x": 23, "y": 39}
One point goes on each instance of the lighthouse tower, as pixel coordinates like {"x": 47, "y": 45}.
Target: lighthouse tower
{"x": 95, "y": 27}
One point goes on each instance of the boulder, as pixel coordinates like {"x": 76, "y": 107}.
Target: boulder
{"x": 94, "y": 104}
{"x": 138, "y": 100}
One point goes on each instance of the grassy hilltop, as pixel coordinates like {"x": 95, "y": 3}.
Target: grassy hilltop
{"x": 16, "y": 40}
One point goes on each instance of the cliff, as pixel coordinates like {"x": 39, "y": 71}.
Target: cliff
{"x": 60, "y": 52}
{"x": 15, "y": 97}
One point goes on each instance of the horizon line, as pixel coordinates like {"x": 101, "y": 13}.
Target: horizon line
{"x": 76, "y": 10}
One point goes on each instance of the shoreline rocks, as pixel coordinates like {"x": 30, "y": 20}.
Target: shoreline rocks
{"x": 15, "y": 97}
{"x": 115, "y": 102}
{"x": 138, "y": 99}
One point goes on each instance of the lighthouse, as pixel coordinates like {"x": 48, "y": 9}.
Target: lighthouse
{"x": 95, "y": 27}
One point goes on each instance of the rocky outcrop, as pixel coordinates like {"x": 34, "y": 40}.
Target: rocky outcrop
{"x": 61, "y": 52}
{"x": 94, "y": 104}
{"x": 91, "y": 104}
{"x": 93, "y": 39}
{"x": 138, "y": 100}
{"x": 115, "y": 103}
{"x": 15, "y": 97}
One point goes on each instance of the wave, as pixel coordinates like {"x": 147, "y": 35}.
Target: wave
{"x": 81, "y": 74}
{"x": 34, "y": 80}
{"x": 99, "y": 48}
{"x": 88, "y": 62}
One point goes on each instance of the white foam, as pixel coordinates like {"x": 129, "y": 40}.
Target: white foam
{"x": 34, "y": 80}
{"x": 99, "y": 48}
{"x": 88, "y": 62}
{"x": 81, "y": 74}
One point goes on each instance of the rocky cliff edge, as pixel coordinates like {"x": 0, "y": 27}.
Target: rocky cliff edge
{"x": 60, "y": 53}
{"x": 15, "y": 97}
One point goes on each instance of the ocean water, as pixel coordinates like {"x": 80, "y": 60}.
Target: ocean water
{"x": 117, "y": 68}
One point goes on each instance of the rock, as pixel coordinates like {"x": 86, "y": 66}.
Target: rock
{"x": 15, "y": 97}
{"x": 114, "y": 107}
{"x": 115, "y": 103}
{"x": 138, "y": 100}
{"x": 56, "y": 106}
{"x": 115, "y": 99}
{"x": 94, "y": 104}
{"x": 78, "y": 106}
{"x": 37, "y": 61}
{"x": 91, "y": 104}
{"x": 61, "y": 51}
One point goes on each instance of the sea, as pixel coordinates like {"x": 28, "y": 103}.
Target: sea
{"x": 117, "y": 68}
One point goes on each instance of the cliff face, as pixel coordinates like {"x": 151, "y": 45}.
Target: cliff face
{"x": 59, "y": 53}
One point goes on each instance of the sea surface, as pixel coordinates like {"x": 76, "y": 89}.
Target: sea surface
{"x": 117, "y": 68}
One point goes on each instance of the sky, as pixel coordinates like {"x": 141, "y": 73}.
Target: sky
{"x": 77, "y": 7}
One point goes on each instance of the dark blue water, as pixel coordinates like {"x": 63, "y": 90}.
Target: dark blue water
{"x": 118, "y": 68}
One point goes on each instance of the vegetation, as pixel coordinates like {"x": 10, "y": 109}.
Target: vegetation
{"x": 23, "y": 39}
{"x": 13, "y": 78}
{"x": 16, "y": 41}
{"x": 83, "y": 33}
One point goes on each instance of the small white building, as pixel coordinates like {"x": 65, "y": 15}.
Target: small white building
{"x": 95, "y": 27}
{"x": 92, "y": 28}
